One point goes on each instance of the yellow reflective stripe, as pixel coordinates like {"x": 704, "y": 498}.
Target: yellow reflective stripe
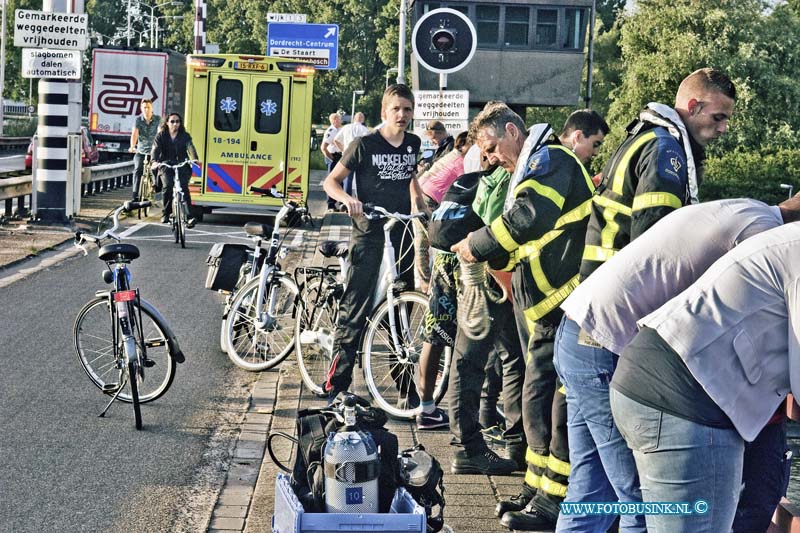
{"x": 539, "y": 277}
{"x": 553, "y": 487}
{"x": 542, "y": 190}
{"x": 532, "y": 480}
{"x": 622, "y": 164}
{"x": 606, "y": 202}
{"x": 558, "y": 466}
{"x": 502, "y": 236}
{"x": 532, "y": 249}
{"x": 562, "y": 390}
{"x": 533, "y": 458}
{"x": 552, "y": 301}
{"x": 579, "y": 213}
{"x": 655, "y": 199}
{"x": 597, "y": 253}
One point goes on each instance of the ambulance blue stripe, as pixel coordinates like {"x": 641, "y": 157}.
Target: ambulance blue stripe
{"x": 220, "y": 173}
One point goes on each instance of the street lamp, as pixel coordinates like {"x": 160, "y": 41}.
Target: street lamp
{"x": 353, "y": 108}
{"x": 152, "y": 18}
{"x": 389, "y": 71}
{"x": 174, "y": 17}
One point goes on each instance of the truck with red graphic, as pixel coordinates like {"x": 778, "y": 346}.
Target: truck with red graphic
{"x": 249, "y": 117}
{"x": 121, "y": 79}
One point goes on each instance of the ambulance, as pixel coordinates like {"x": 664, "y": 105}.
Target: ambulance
{"x": 249, "y": 118}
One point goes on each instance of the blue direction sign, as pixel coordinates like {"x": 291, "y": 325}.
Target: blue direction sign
{"x": 316, "y": 43}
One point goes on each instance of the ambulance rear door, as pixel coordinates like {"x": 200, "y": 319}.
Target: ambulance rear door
{"x": 246, "y": 136}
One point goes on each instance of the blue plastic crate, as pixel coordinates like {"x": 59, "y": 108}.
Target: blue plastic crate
{"x": 406, "y": 515}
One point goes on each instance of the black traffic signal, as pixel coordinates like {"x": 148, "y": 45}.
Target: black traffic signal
{"x": 444, "y": 40}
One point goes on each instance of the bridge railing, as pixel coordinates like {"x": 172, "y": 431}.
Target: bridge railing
{"x": 94, "y": 180}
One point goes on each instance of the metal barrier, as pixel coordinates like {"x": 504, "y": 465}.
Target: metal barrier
{"x": 16, "y": 144}
{"x": 94, "y": 180}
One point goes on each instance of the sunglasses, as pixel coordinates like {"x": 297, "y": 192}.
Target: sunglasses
{"x": 174, "y": 121}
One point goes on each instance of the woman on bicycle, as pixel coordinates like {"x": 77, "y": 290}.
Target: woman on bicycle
{"x": 173, "y": 145}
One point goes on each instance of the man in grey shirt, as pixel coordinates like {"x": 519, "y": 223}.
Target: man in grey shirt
{"x": 144, "y": 131}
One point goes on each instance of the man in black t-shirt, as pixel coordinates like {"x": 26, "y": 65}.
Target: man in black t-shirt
{"x": 383, "y": 163}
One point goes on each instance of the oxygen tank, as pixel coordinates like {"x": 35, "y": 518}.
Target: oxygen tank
{"x": 352, "y": 466}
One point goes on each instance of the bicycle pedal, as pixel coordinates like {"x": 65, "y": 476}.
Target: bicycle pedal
{"x": 110, "y": 387}
{"x": 148, "y": 363}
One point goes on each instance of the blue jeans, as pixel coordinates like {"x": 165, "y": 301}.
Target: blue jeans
{"x": 603, "y": 468}
{"x": 682, "y": 461}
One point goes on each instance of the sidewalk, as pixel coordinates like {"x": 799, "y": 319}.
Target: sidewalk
{"x": 246, "y": 502}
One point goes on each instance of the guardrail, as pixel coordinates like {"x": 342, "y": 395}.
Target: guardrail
{"x": 94, "y": 180}
{"x": 8, "y": 144}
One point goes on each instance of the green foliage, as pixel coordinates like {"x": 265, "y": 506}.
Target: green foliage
{"x": 752, "y": 174}
{"x": 20, "y": 128}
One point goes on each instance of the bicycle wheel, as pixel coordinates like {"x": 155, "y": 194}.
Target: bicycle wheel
{"x": 314, "y": 331}
{"x": 391, "y": 374}
{"x": 133, "y": 377}
{"x": 103, "y": 362}
{"x": 179, "y": 222}
{"x": 145, "y": 192}
{"x": 253, "y": 346}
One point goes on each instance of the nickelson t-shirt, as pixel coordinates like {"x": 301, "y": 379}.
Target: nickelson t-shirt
{"x": 382, "y": 175}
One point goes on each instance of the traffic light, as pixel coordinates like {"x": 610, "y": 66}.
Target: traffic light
{"x": 444, "y": 40}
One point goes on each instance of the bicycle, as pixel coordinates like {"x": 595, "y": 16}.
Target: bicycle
{"x": 259, "y": 327}
{"x": 392, "y": 341}
{"x": 180, "y": 211}
{"x": 146, "y": 185}
{"x": 119, "y": 337}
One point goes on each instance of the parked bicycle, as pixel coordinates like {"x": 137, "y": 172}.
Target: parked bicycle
{"x": 119, "y": 337}
{"x": 392, "y": 342}
{"x": 146, "y": 185}
{"x": 259, "y": 326}
{"x": 180, "y": 217}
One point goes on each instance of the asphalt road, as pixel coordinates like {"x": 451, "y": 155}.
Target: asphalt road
{"x": 65, "y": 469}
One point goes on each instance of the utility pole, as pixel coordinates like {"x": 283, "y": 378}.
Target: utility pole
{"x": 401, "y": 52}
{"x": 2, "y": 64}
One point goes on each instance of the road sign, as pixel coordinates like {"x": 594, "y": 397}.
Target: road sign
{"x": 444, "y": 40}
{"x": 42, "y": 63}
{"x": 316, "y": 43}
{"x": 453, "y": 127}
{"x": 287, "y": 17}
{"x": 46, "y": 29}
{"x": 441, "y": 105}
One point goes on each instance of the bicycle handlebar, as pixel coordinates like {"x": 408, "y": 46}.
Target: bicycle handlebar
{"x": 374, "y": 212}
{"x": 291, "y": 205}
{"x": 81, "y": 237}
{"x": 157, "y": 164}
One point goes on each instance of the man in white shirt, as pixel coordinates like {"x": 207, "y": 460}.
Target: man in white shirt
{"x": 706, "y": 373}
{"x": 331, "y": 152}
{"x": 600, "y": 321}
{"x": 344, "y": 139}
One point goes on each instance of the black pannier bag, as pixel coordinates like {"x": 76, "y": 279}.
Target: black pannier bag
{"x": 454, "y": 219}
{"x": 224, "y": 263}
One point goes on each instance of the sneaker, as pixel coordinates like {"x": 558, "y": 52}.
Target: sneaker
{"x": 437, "y": 419}
{"x": 493, "y": 437}
{"x": 488, "y": 463}
{"x": 192, "y": 222}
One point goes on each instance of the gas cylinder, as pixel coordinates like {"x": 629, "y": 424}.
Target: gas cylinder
{"x": 352, "y": 467}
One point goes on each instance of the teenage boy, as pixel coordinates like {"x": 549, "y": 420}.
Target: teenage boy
{"x": 383, "y": 164}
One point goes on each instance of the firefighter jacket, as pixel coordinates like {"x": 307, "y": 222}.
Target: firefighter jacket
{"x": 645, "y": 179}
{"x": 541, "y": 235}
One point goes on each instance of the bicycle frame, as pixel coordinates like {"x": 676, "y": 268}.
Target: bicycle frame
{"x": 268, "y": 270}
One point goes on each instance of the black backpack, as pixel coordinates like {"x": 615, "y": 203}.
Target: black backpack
{"x": 454, "y": 219}
{"x": 422, "y": 476}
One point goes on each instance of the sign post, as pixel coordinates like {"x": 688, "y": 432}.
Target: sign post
{"x": 315, "y": 43}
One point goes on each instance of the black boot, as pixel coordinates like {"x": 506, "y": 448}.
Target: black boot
{"x": 487, "y": 463}
{"x": 529, "y": 519}
{"x": 516, "y": 503}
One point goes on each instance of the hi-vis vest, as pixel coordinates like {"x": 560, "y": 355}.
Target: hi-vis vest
{"x": 620, "y": 196}
{"x": 547, "y": 268}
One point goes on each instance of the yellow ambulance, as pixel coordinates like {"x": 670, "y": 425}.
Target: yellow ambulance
{"x": 249, "y": 117}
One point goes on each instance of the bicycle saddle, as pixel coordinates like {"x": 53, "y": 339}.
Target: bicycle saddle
{"x": 109, "y": 252}
{"x": 256, "y": 229}
{"x": 333, "y": 249}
